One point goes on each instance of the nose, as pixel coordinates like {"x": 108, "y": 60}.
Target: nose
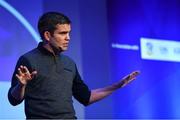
{"x": 68, "y": 36}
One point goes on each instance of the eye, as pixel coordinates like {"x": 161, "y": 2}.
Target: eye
{"x": 62, "y": 33}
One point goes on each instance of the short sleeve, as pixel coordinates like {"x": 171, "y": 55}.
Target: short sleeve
{"x": 80, "y": 90}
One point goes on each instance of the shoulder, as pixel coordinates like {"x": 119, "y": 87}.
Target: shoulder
{"x": 29, "y": 57}
{"x": 31, "y": 54}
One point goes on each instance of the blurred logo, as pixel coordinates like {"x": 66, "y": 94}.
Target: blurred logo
{"x": 149, "y": 47}
{"x": 163, "y": 50}
{"x": 177, "y": 50}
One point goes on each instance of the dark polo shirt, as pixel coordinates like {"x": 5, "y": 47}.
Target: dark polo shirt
{"x": 49, "y": 93}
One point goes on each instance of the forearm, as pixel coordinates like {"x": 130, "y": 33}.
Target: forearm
{"x": 101, "y": 93}
{"x": 18, "y": 91}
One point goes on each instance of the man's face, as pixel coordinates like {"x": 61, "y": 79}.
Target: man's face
{"x": 60, "y": 38}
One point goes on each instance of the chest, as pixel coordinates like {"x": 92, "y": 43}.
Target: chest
{"x": 52, "y": 79}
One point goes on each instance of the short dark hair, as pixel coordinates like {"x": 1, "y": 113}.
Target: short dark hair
{"x": 49, "y": 20}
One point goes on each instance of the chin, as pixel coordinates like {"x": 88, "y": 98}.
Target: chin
{"x": 64, "y": 49}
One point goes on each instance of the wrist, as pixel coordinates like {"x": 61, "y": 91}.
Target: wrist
{"x": 21, "y": 84}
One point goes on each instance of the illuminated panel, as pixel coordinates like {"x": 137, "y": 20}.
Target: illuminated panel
{"x": 164, "y": 50}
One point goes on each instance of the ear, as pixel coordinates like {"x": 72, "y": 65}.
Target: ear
{"x": 47, "y": 35}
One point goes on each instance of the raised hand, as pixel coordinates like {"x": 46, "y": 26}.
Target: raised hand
{"x": 127, "y": 79}
{"x": 24, "y": 75}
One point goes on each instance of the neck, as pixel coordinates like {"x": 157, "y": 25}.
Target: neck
{"x": 51, "y": 48}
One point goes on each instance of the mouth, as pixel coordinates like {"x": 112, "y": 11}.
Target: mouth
{"x": 65, "y": 45}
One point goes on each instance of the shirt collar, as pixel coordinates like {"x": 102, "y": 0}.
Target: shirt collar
{"x": 44, "y": 50}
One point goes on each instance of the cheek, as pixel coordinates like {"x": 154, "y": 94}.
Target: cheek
{"x": 59, "y": 41}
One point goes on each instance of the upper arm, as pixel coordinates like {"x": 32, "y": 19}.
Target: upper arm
{"x": 80, "y": 90}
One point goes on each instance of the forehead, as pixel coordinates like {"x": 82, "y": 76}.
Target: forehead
{"x": 63, "y": 27}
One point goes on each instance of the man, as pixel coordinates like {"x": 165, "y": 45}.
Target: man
{"x": 46, "y": 79}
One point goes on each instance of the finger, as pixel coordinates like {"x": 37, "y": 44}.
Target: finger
{"x": 20, "y": 72}
{"x": 22, "y": 69}
{"x": 33, "y": 74}
{"x": 26, "y": 70}
{"x": 132, "y": 79}
{"x": 18, "y": 77}
{"x": 133, "y": 76}
{"x": 136, "y": 72}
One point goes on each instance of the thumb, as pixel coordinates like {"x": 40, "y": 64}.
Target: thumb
{"x": 33, "y": 74}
